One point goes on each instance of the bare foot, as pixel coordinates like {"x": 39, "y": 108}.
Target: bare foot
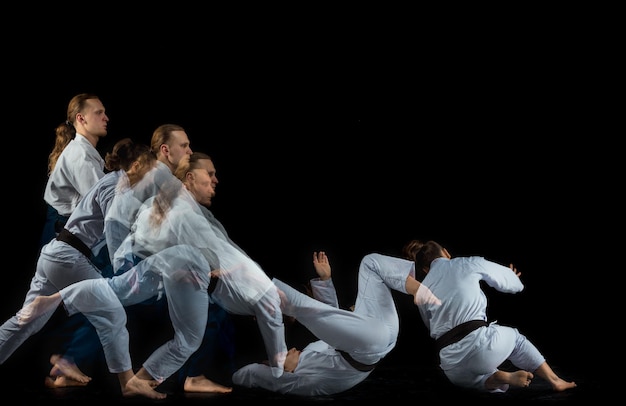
{"x": 62, "y": 367}
{"x": 204, "y": 385}
{"x": 142, "y": 387}
{"x": 560, "y": 385}
{"x": 37, "y": 307}
{"x": 520, "y": 378}
{"x": 62, "y": 382}
{"x": 500, "y": 380}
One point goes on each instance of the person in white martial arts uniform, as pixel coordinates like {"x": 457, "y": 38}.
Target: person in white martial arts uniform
{"x": 351, "y": 343}
{"x": 67, "y": 258}
{"x": 471, "y": 349}
{"x": 240, "y": 286}
{"x": 176, "y": 244}
{"x": 144, "y": 287}
{"x": 179, "y": 246}
{"x": 74, "y": 164}
{"x": 148, "y": 298}
{"x": 218, "y": 348}
{"x": 181, "y": 271}
{"x": 101, "y": 300}
{"x": 151, "y": 318}
{"x": 119, "y": 198}
{"x": 172, "y": 146}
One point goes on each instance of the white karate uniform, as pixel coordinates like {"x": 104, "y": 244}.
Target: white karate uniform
{"x": 182, "y": 272}
{"x": 243, "y": 287}
{"x": 469, "y": 362}
{"x": 179, "y": 270}
{"x": 60, "y": 264}
{"x": 78, "y": 168}
{"x": 180, "y": 251}
{"x": 368, "y": 333}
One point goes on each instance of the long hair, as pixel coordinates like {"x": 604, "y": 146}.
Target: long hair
{"x": 430, "y": 251}
{"x": 409, "y": 250}
{"x": 164, "y": 199}
{"x": 124, "y": 154}
{"x": 65, "y": 132}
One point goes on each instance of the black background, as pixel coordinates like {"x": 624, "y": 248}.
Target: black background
{"x": 490, "y": 147}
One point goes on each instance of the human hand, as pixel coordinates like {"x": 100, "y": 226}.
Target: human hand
{"x": 291, "y": 360}
{"x": 321, "y": 264}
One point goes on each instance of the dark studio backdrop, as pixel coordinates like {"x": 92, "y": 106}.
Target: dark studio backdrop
{"x": 350, "y": 159}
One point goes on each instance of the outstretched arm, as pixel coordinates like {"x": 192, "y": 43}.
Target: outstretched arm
{"x": 322, "y": 288}
{"x": 501, "y": 278}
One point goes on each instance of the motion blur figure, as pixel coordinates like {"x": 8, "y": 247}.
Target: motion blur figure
{"x": 351, "y": 343}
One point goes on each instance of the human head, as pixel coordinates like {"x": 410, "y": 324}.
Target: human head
{"x": 135, "y": 159}
{"x": 198, "y": 176}
{"x": 199, "y": 160}
{"x": 409, "y": 250}
{"x": 427, "y": 253}
{"x": 86, "y": 115}
{"x": 206, "y": 162}
{"x": 170, "y": 144}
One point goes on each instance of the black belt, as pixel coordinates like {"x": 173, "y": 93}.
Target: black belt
{"x": 212, "y": 284}
{"x": 356, "y": 364}
{"x": 75, "y": 242}
{"x": 458, "y": 332}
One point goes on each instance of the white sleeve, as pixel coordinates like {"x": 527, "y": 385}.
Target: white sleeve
{"x": 260, "y": 376}
{"x": 500, "y": 277}
{"x": 324, "y": 291}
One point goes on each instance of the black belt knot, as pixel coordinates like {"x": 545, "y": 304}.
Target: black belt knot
{"x": 71, "y": 239}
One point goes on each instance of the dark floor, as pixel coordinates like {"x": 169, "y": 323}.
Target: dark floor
{"x": 387, "y": 383}
{"x": 409, "y": 372}
{"x": 395, "y": 379}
